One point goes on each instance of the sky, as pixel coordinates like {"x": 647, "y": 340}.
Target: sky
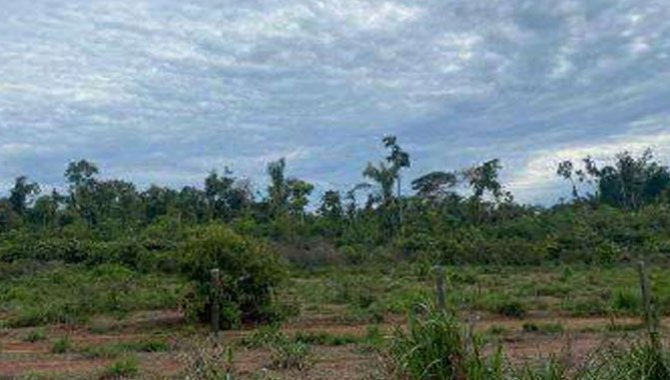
{"x": 164, "y": 91}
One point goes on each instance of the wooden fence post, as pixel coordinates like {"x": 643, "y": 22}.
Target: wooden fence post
{"x": 439, "y": 288}
{"x": 215, "y": 298}
{"x": 648, "y": 307}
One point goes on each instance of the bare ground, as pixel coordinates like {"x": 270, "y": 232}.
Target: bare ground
{"x": 18, "y": 357}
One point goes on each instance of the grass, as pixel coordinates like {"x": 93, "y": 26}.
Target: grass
{"x": 33, "y": 299}
{"x": 126, "y": 367}
{"x": 366, "y": 293}
{"x": 62, "y": 345}
{"x": 435, "y": 345}
{"x": 35, "y": 335}
{"x": 110, "y": 351}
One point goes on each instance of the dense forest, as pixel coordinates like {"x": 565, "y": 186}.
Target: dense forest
{"x": 616, "y": 211}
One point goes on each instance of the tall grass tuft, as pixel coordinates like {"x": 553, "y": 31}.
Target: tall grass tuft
{"x": 436, "y": 346}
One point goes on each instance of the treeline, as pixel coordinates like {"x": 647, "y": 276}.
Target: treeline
{"x": 616, "y": 211}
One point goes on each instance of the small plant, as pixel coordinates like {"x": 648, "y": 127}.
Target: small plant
{"x": 123, "y": 368}
{"x": 62, "y": 345}
{"x": 626, "y": 301}
{"x": 287, "y": 354}
{"x": 208, "y": 360}
{"x": 34, "y": 336}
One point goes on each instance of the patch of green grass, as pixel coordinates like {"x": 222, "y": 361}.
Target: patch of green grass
{"x": 71, "y": 294}
{"x": 119, "y": 349}
{"x": 62, "y": 345}
{"x": 34, "y": 335}
{"x": 123, "y": 368}
{"x": 626, "y": 301}
{"x": 287, "y": 354}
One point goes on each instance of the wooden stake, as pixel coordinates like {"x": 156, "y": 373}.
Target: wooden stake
{"x": 648, "y": 307}
{"x": 215, "y": 299}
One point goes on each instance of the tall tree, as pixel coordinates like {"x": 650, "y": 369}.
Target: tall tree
{"x": 21, "y": 194}
{"x": 398, "y": 158}
{"x": 299, "y": 192}
{"x": 81, "y": 178}
{"x": 331, "y": 205}
{"x": 278, "y": 190}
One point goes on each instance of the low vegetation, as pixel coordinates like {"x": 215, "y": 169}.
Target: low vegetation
{"x": 104, "y": 248}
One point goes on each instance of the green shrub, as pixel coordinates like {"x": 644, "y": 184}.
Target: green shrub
{"x": 249, "y": 272}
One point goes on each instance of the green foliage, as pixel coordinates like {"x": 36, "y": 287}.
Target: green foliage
{"x": 249, "y": 273}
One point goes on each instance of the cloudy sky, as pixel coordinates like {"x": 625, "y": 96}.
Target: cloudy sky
{"x": 163, "y": 91}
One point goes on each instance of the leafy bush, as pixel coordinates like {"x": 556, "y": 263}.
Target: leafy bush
{"x": 249, "y": 272}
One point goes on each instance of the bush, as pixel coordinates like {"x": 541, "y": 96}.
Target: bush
{"x": 249, "y": 272}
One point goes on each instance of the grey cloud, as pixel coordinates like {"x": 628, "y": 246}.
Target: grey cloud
{"x": 154, "y": 87}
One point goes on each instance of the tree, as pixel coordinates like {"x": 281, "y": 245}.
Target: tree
{"x": 397, "y": 157}
{"x": 384, "y": 176}
{"x": 45, "y": 209}
{"x": 299, "y": 192}
{"x": 225, "y": 198}
{"x": 565, "y": 170}
{"x": 484, "y": 179}
{"x": 628, "y": 184}
{"x": 81, "y": 178}
{"x": 331, "y": 205}
{"x": 21, "y": 194}
{"x": 435, "y": 185}
{"x": 277, "y": 191}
